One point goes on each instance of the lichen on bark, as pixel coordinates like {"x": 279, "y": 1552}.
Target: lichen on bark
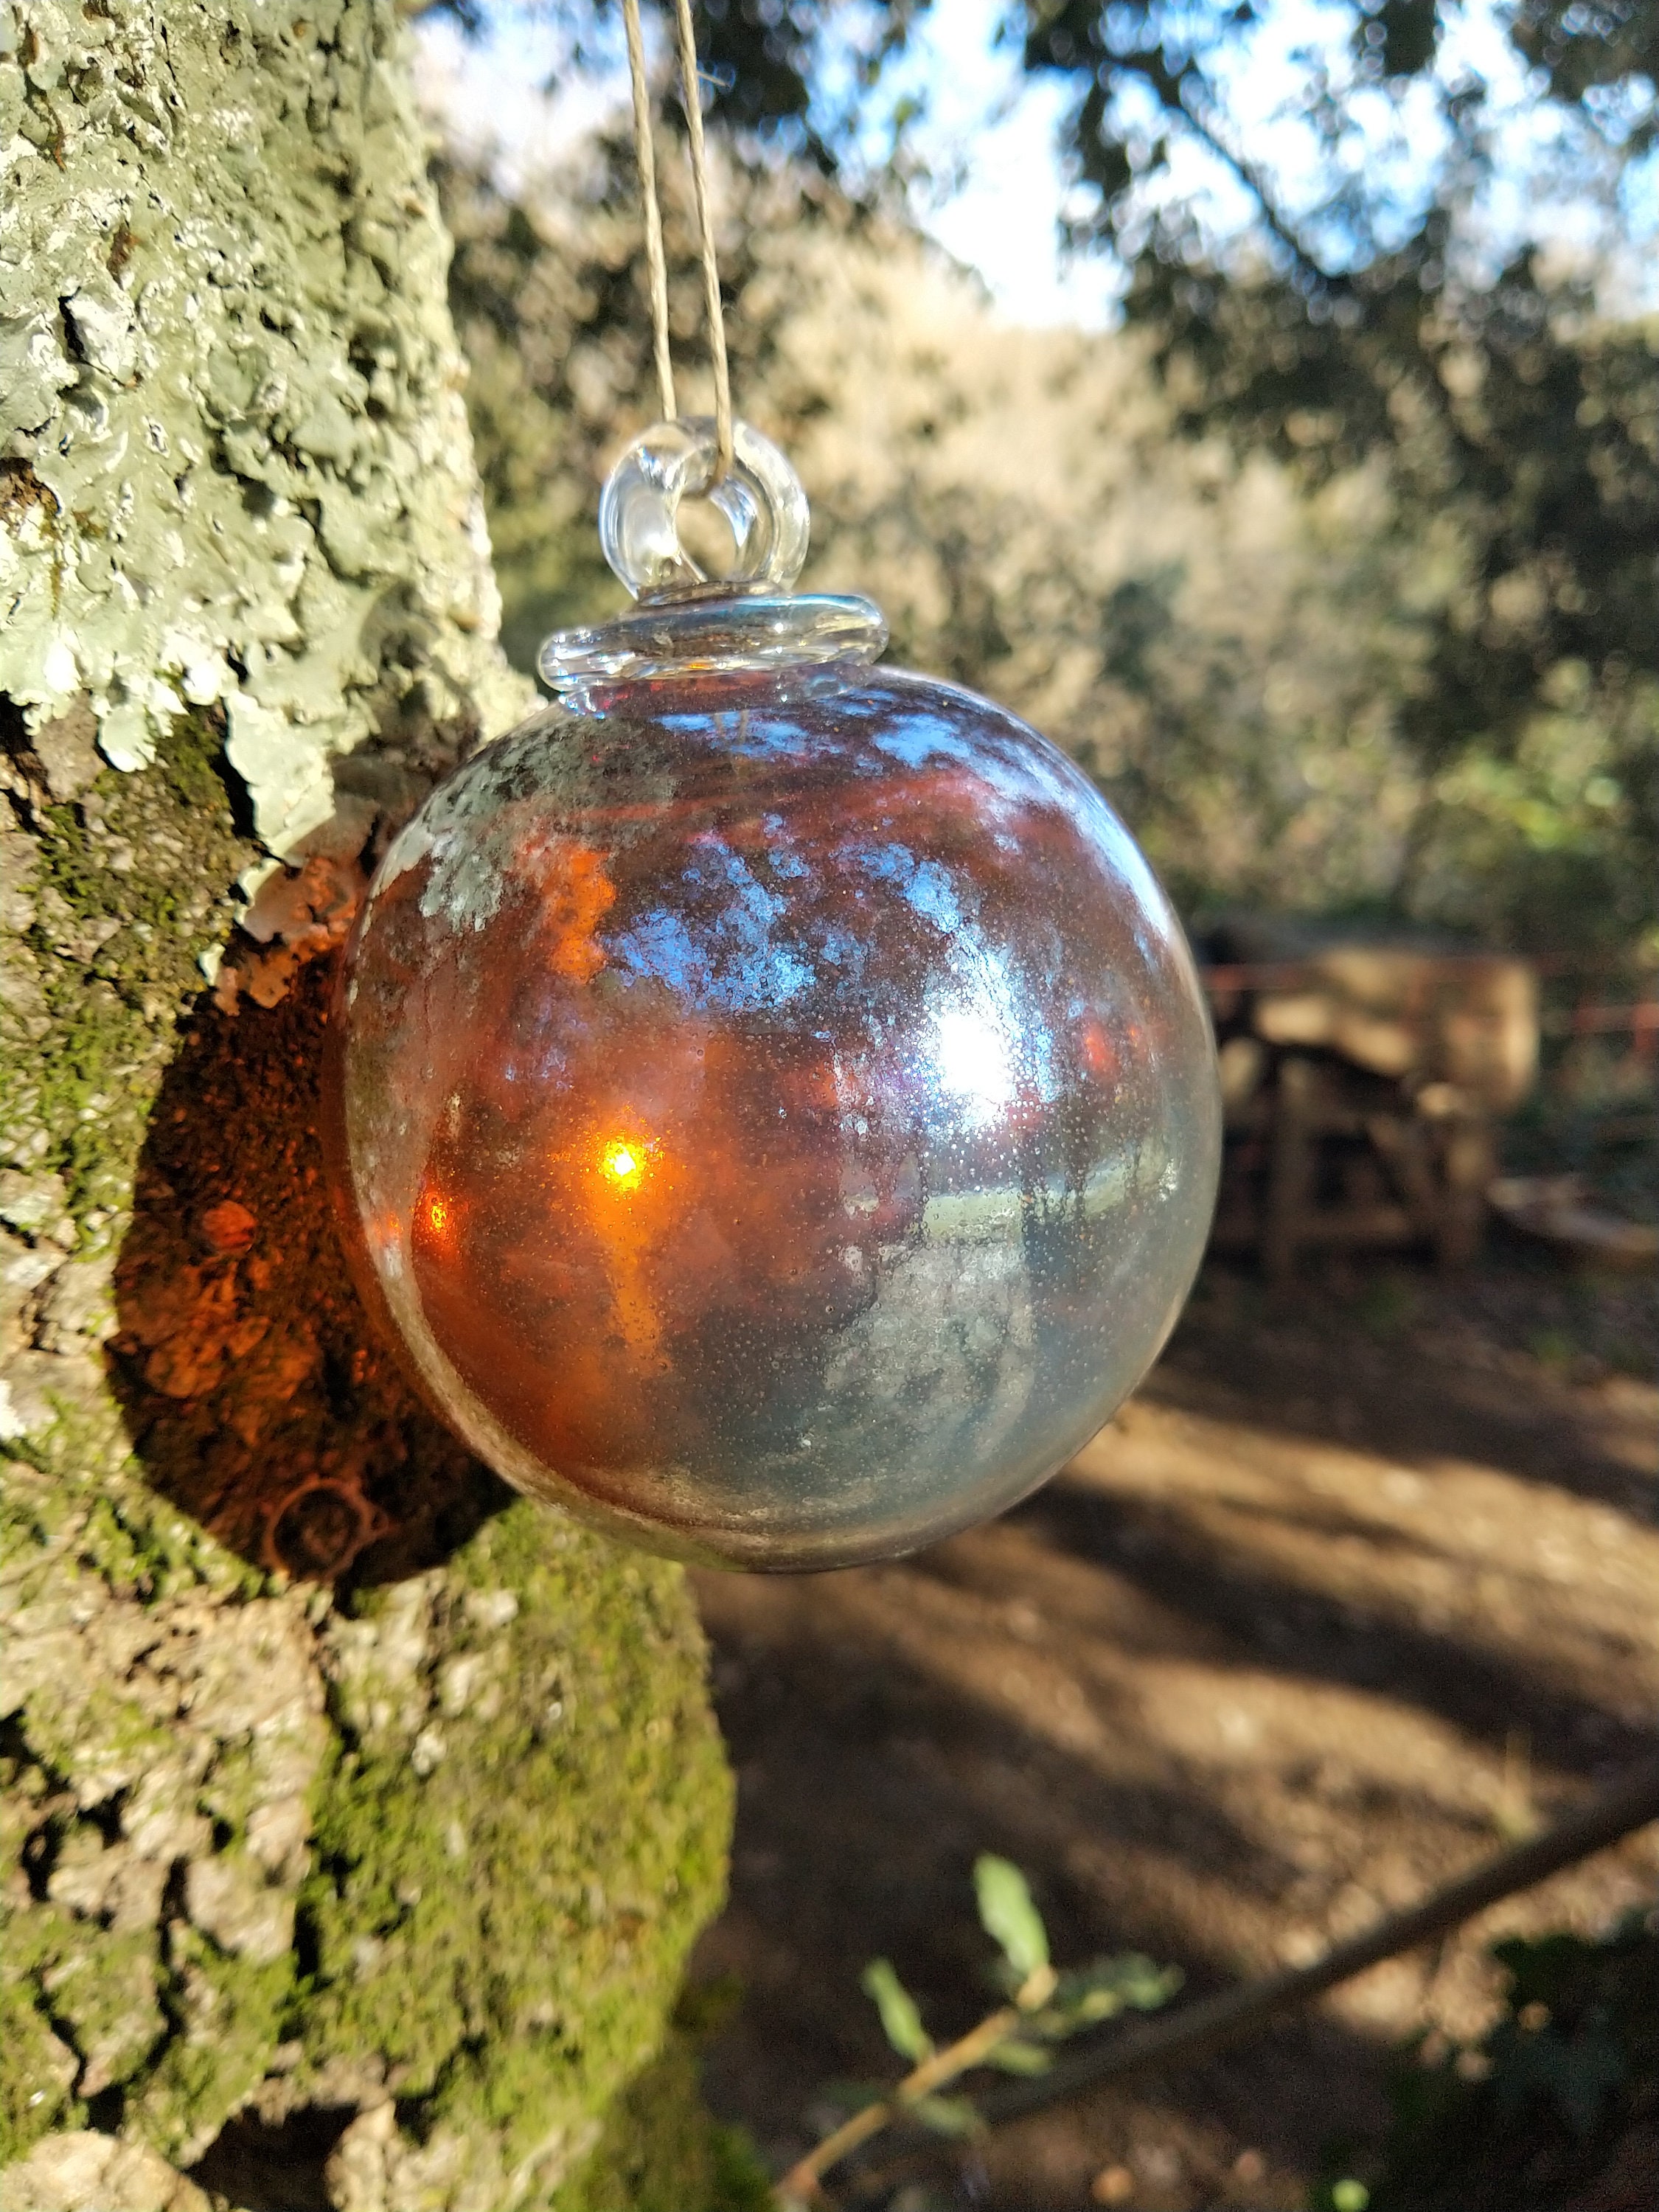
{"x": 336, "y": 1790}
{"x": 235, "y": 464}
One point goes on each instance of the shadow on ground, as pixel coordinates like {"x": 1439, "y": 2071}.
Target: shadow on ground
{"x": 1322, "y": 1619}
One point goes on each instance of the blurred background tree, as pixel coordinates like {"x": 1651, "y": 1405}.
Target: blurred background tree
{"x": 1388, "y": 329}
{"x": 1384, "y": 307}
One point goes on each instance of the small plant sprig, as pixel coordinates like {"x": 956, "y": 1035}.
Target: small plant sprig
{"x": 1045, "y": 2006}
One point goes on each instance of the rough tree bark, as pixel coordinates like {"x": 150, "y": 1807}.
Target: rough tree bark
{"x": 342, "y": 1799}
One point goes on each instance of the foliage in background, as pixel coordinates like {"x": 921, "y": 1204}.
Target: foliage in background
{"x": 1372, "y": 305}
{"x": 1562, "y": 2091}
{"x": 1042, "y": 2007}
{"x": 1248, "y": 654}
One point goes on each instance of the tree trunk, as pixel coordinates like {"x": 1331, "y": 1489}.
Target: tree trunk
{"x": 352, "y": 1816}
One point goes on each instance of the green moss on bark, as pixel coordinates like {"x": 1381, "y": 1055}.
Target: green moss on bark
{"x": 35, "y": 2095}
{"x": 513, "y": 1808}
{"x": 547, "y": 1960}
{"x": 225, "y": 2018}
{"x": 488, "y": 1781}
{"x": 131, "y": 891}
{"x": 660, "y": 2152}
{"x": 266, "y": 1844}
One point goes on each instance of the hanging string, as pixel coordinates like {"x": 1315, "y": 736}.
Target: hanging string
{"x": 655, "y": 261}
{"x": 711, "y": 275}
{"x": 645, "y": 161}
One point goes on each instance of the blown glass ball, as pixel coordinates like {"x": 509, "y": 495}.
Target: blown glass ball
{"x": 774, "y": 1106}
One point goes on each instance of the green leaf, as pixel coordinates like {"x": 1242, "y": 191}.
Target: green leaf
{"x": 1088, "y": 2008}
{"x": 900, "y": 2021}
{"x": 1014, "y": 2057}
{"x": 1008, "y": 1916}
{"x": 955, "y": 2117}
{"x": 1130, "y": 1978}
{"x": 1084, "y": 1997}
{"x": 1146, "y": 1986}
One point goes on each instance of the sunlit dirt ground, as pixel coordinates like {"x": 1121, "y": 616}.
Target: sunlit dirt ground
{"x": 1363, "y": 1580}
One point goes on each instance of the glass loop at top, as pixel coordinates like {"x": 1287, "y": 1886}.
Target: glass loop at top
{"x": 686, "y": 621}
{"x": 760, "y": 497}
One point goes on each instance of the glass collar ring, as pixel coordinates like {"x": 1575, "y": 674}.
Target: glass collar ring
{"x": 771, "y": 1104}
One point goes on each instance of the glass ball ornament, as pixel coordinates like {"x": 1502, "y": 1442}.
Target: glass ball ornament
{"x": 771, "y": 1100}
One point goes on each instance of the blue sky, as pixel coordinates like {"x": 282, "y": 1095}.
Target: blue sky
{"x": 989, "y": 138}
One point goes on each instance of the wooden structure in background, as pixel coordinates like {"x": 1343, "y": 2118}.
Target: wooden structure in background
{"x": 1363, "y": 1079}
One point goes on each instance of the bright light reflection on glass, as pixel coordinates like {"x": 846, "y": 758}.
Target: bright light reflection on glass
{"x": 971, "y": 1055}
{"x": 623, "y": 1163}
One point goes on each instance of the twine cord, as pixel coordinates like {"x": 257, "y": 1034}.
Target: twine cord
{"x": 645, "y": 161}
{"x": 655, "y": 261}
{"x": 711, "y": 275}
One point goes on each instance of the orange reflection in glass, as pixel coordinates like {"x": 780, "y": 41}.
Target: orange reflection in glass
{"x": 623, "y": 1163}
{"x": 628, "y": 1241}
{"x": 808, "y": 1149}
